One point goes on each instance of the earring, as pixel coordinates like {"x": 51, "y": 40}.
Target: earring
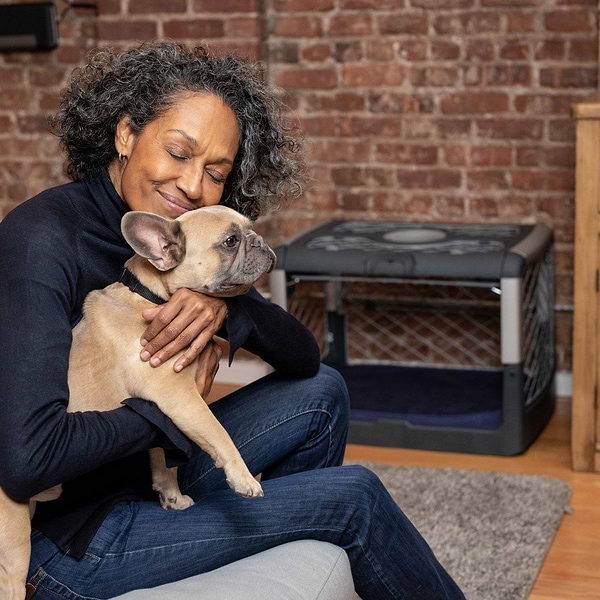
{"x": 122, "y": 158}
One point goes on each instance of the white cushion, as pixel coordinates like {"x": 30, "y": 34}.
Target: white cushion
{"x": 302, "y": 570}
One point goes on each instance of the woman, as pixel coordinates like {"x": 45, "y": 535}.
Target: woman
{"x": 164, "y": 129}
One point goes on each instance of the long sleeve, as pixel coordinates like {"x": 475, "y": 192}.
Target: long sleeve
{"x": 268, "y": 331}
{"x": 40, "y": 443}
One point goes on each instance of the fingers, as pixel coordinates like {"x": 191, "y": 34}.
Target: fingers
{"x": 188, "y": 320}
{"x": 208, "y": 366}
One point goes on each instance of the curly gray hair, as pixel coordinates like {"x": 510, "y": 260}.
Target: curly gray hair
{"x": 143, "y": 82}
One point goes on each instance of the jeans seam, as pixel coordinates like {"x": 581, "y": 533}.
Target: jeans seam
{"x": 68, "y": 589}
{"x": 236, "y": 537}
{"x": 304, "y": 412}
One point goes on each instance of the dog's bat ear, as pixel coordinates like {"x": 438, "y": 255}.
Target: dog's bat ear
{"x": 157, "y": 239}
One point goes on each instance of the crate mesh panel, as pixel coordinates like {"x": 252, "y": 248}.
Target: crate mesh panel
{"x": 448, "y": 324}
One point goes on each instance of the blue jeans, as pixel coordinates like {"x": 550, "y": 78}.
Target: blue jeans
{"x": 294, "y": 433}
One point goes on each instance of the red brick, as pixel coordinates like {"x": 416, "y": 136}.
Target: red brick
{"x": 569, "y": 21}
{"x": 246, "y": 50}
{"x": 318, "y": 126}
{"x": 419, "y": 205}
{"x": 518, "y": 3}
{"x": 316, "y": 52}
{"x": 480, "y": 50}
{"x": 303, "y": 5}
{"x": 348, "y": 176}
{"x": 380, "y": 50}
{"x": 11, "y": 75}
{"x": 467, "y": 23}
{"x": 445, "y": 50}
{"x": 456, "y": 156}
{"x": 372, "y": 4}
{"x": 538, "y": 104}
{"x": 194, "y": 29}
{"x": 406, "y": 154}
{"x": 529, "y": 181}
{"x": 349, "y": 51}
{"x": 46, "y": 76}
{"x": 156, "y": 6}
{"x": 449, "y": 207}
{"x": 529, "y": 156}
{"x": 563, "y": 156}
{"x": 515, "y": 207}
{"x": 6, "y": 124}
{"x": 514, "y": 50}
{"x": 15, "y": 99}
{"x": 419, "y": 129}
{"x": 380, "y": 176}
{"x": 70, "y": 54}
{"x": 487, "y": 180}
{"x": 355, "y": 202}
{"x": 391, "y": 102}
{"x": 519, "y": 22}
{"x": 244, "y": 27}
{"x": 429, "y": 179}
{"x": 562, "y": 130}
{"x": 412, "y": 49}
{"x": 323, "y": 200}
{"x": 550, "y": 50}
{"x": 385, "y": 202}
{"x": 510, "y": 128}
{"x": 491, "y": 156}
{"x": 403, "y": 23}
{"x": 562, "y": 181}
{"x": 359, "y": 24}
{"x": 583, "y": 50}
{"x": 49, "y": 102}
{"x": 339, "y": 151}
{"x": 434, "y": 77}
{"x": 33, "y": 124}
{"x": 435, "y": 4}
{"x": 577, "y": 77}
{"x": 555, "y": 207}
{"x": 109, "y": 7}
{"x": 467, "y": 103}
{"x": 370, "y": 126}
{"x": 373, "y": 75}
{"x": 298, "y": 26}
{"x": 483, "y": 207}
{"x": 505, "y": 75}
{"x": 221, "y": 6}
{"x": 283, "y": 52}
{"x": 311, "y": 79}
{"x": 339, "y": 102}
{"x": 129, "y": 30}
{"x": 453, "y": 128}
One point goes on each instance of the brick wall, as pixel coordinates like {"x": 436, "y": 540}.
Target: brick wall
{"x": 453, "y": 110}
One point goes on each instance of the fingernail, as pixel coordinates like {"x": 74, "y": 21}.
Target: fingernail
{"x": 143, "y": 341}
{"x": 178, "y": 367}
{"x": 145, "y": 355}
{"x": 155, "y": 362}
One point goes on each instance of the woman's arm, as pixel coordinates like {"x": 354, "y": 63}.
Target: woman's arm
{"x": 40, "y": 443}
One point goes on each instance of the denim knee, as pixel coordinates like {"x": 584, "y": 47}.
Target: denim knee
{"x": 331, "y": 387}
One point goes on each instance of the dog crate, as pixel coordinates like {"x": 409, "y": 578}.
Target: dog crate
{"x": 444, "y": 333}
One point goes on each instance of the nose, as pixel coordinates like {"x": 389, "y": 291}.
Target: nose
{"x": 190, "y": 181}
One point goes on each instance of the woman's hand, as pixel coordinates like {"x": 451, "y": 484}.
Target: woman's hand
{"x": 208, "y": 365}
{"x": 188, "y": 320}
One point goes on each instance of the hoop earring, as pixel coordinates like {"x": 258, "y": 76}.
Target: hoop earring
{"x": 122, "y": 158}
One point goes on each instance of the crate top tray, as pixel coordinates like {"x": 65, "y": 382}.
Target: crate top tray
{"x": 377, "y": 248}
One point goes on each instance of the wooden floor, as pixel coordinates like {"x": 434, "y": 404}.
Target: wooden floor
{"x": 571, "y": 570}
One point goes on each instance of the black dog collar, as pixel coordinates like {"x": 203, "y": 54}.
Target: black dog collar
{"x": 133, "y": 283}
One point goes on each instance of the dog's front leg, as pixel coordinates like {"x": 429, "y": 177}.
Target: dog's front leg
{"x": 164, "y": 481}
{"x": 15, "y": 547}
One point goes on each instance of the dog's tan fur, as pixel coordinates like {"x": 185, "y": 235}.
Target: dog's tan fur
{"x": 105, "y": 368}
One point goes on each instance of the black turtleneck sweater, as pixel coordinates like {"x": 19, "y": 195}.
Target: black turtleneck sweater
{"x": 54, "y": 249}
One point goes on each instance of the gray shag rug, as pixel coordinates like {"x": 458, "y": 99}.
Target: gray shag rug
{"x": 491, "y": 531}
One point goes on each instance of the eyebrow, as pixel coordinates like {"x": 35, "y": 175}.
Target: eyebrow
{"x": 193, "y": 142}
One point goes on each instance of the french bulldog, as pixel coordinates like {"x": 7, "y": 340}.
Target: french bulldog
{"x": 212, "y": 250}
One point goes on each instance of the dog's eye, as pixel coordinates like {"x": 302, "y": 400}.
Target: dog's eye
{"x": 231, "y": 241}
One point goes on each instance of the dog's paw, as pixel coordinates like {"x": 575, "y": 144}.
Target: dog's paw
{"x": 245, "y": 485}
{"x": 174, "y": 500}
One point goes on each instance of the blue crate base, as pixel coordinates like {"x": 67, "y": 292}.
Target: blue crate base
{"x": 425, "y": 396}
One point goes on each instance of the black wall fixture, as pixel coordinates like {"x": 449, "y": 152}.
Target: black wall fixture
{"x": 28, "y": 27}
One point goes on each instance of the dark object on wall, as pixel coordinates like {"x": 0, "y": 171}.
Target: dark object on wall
{"x": 25, "y": 27}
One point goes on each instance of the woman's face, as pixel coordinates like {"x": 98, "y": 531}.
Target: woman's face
{"x": 180, "y": 161}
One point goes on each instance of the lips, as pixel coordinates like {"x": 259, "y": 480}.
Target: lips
{"x": 176, "y": 205}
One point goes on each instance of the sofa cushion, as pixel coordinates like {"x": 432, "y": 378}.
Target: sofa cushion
{"x": 302, "y": 570}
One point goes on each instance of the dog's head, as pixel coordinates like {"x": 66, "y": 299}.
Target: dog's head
{"x": 212, "y": 250}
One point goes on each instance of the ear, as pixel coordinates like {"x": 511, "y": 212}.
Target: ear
{"x": 159, "y": 240}
{"x": 124, "y": 136}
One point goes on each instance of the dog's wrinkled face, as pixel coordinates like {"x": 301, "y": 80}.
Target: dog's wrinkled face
{"x": 212, "y": 250}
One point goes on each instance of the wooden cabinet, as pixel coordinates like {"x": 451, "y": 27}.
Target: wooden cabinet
{"x": 585, "y": 432}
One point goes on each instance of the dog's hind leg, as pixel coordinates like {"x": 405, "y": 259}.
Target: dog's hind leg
{"x": 164, "y": 481}
{"x": 15, "y": 547}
